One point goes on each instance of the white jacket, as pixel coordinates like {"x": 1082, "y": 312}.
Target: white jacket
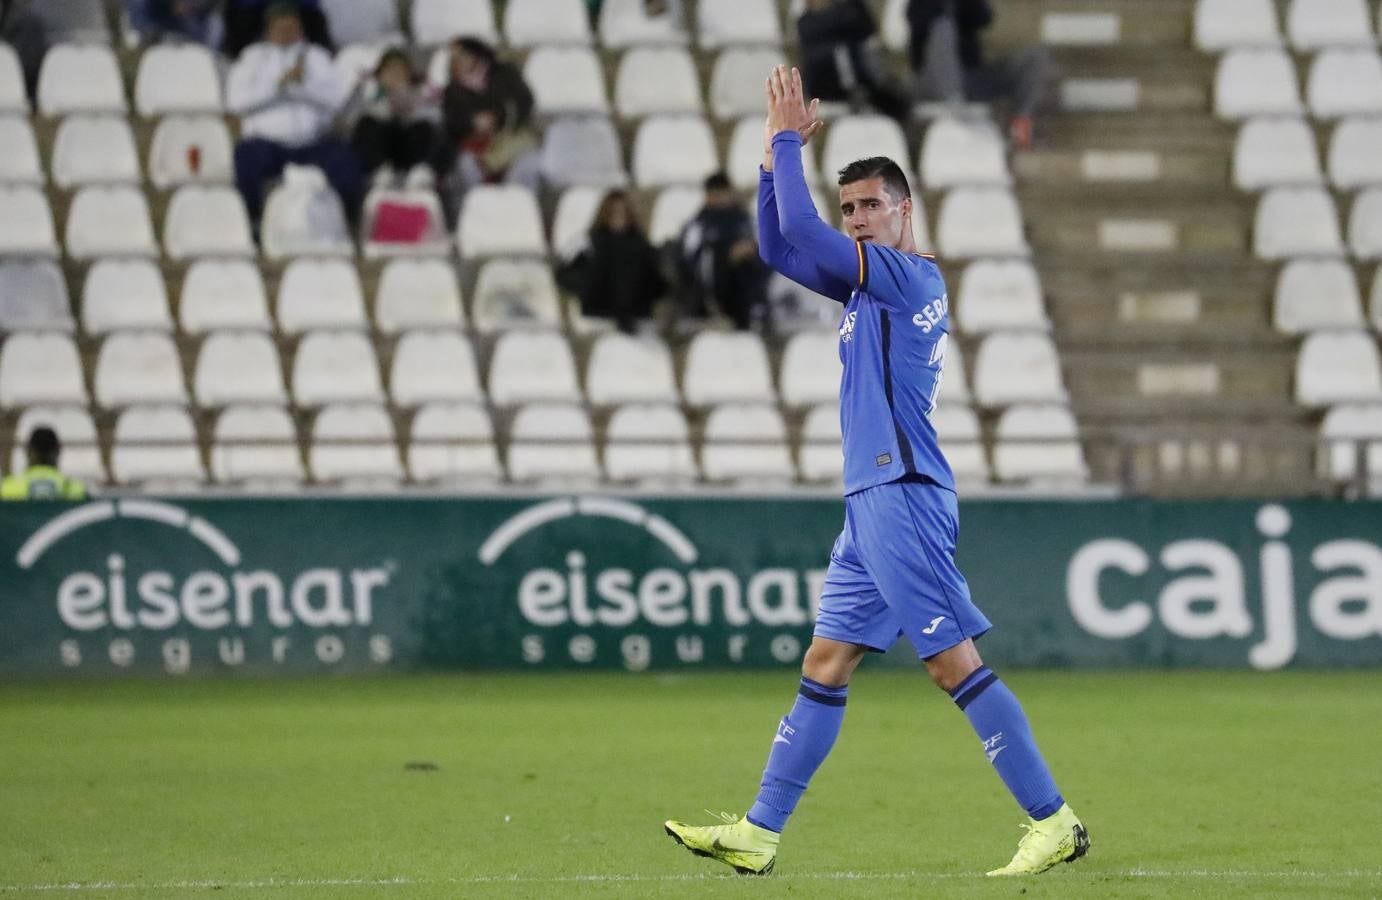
{"x": 295, "y": 116}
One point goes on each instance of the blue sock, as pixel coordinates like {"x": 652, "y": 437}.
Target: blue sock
{"x": 1001, "y": 724}
{"x": 803, "y": 741}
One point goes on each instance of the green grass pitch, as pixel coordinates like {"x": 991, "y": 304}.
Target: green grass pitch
{"x": 1204, "y": 784}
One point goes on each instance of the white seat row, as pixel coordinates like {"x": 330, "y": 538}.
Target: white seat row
{"x": 1264, "y": 83}
{"x": 85, "y": 78}
{"x": 1322, "y": 294}
{"x": 1310, "y": 24}
{"x": 100, "y": 149}
{"x": 1293, "y": 222}
{"x": 1351, "y": 444}
{"x": 1338, "y": 367}
{"x": 1272, "y": 152}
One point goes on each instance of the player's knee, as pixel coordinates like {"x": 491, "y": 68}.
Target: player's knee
{"x": 951, "y": 667}
{"x": 828, "y": 665}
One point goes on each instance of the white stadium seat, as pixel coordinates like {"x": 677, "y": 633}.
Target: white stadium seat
{"x": 334, "y": 366}
{"x": 94, "y": 150}
{"x": 206, "y": 221}
{"x": 820, "y": 453}
{"x": 649, "y": 443}
{"x": 177, "y": 78}
{"x": 19, "y": 161}
{"x": 123, "y": 294}
{"x": 364, "y": 22}
{"x": 673, "y": 208}
{"x": 1351, "y": 434}
{"x": 109, "y": 221}
{"x": 1296, "y": 222}
{"x": 957, "y": 152}
{"x": 657, "y": 80}
{"x": 529, "y": 23}
{"x": 80, "y": 78}
{"x": 1365, "y": 225}
{"x": 998, "y": 294}
{"x": 223, "y": 293}
{"x": 12, "y": 99}
{"x": 303, "y": 216}
{"x": 1040, "y": 445}
{"x": 724, "y": 22}
{"x": 40, "y": 368}
{"x": 81, "y": 457}
{"x": 1275, "y": 152}
{"x": 320, "y": 293}
{"x": 438, "y": 21}
{"x": 256, "y": 446}
{"x": 571, "y": 222}
{"x": 627, "y": 23}
{"x": 189, "y": 149}
{"x": 1338, "y": 367}
{"x": 238, "y": 367}
{"x": 354, "y": 443}
{"x": 726, "y": 367}
{"x": 892, "y": 22}
{"x": 1316, "y": 24}
{"x": 1017, "y": 367}
{"x": 746, "y": 155}
{"x": 417, "y": 293}
{"x": 1316, "y": 294}
{"x": 627, "y": 369}
{"x": 582, "y": 151}
{"x": 853, "y": 137}
{"x": 1345, "y": 83}
{"x": 156, "y": 445}
{"x": 673, "y": 150}
{"x": 138, "y": 367}
{"x": 954, "y": 382}
{"x": 1256, "y": 83}
{"x": 552, "y": 443}
{"x": 957, "y": 429}
{"x": 515, "y": 293}
{"x": 1375, "y": 301}
{"x": 736, "y": 82}
{"x": 26, "y": 222}
{"x": 430, "y": 239}
{"x": 433, "y": 365}
{"x": 746, "y": 443}
{"x": 532, "y": 366}
{"x": 566, "y": 80}
{"x": 1222, "y": 24}
{"x": 33, "y": 296}
{"x": 500, "y": 220}
{"x": 1355, "y": 153}
{"x": 453, "y": 443}
{"x": 356, "y": 61}
{"x": 980, "y": 222}
{"x": 811, "y": 368}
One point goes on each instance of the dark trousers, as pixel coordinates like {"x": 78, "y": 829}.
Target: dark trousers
{"x": 739, "y": 289}
{"x": 400, "y": 145}
{"x": 257, "y": 161}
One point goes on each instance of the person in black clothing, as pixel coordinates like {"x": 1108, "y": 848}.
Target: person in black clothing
{"x": 615, "y": 272}
{"x": 947, "y": 55}
{"x": 837, "y": 64}
{"x": 487, "y": 119}
{"x": 720, "y": 269}
{"x": 398, "y": 122}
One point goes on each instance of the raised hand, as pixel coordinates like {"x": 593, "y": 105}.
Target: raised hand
{"x": 787, "y": 109}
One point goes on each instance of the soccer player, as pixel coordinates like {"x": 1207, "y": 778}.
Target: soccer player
{"x": 892, "y": 570}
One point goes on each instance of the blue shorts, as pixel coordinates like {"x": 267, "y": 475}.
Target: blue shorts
{"x": 892, "y": 572}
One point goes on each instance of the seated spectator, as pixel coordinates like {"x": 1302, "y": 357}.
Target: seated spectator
{"x": 487, "y": 113}
{"x": 397, "y": 127}
{"x": 42, "y": 480}
{"x": 947, "y": 56}
{"x": 191, "y": 20}
{"x": 837, "y": 62}
{"x": 615, "y": 272}
{"x": 721, "y": 273}
{"x": 245, "y": 20}
{"x": 288, "y": 94}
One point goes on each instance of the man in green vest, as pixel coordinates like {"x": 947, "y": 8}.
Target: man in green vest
{"x": 42, "y": 480}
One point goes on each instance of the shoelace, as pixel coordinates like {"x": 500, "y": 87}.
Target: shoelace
{"x": 727, "y": 818}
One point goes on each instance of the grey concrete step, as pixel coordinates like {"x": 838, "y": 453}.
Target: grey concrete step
{"x": 1139, "y": 22}
{"x": 1129, "y": 226}
{"x": 1075, "y": 169}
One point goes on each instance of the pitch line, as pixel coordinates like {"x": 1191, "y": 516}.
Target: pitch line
{"x": 280, "y": 883}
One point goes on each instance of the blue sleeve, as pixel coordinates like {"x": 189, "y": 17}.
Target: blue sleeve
{"x": 783, "y": 257}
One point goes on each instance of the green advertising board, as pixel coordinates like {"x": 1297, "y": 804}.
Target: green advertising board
{"x": 297, "y": 585}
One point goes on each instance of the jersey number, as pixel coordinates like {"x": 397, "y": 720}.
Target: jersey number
{"x": 937, "y": 360}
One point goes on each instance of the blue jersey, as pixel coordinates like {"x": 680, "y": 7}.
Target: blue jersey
{"x": 893, "y": 334}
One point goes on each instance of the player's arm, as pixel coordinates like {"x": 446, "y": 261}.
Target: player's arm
{"x": 782, "y": 256}
{"x": 833, "y": 253}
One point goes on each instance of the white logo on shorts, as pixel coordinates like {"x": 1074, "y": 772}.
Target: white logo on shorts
{"x": 935, "y": 623}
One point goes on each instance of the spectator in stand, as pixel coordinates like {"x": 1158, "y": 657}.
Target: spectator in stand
{"x": 42, "y": 480}
{"x": 245, "y": 21}
{"x": 487, "y": 112}
{"x": 721, "y": 273}
{"x": 199, "y": 21}
{"x": 837, "y": 61}
{"x": 288, "y": 94}
{"x": 615, "y": 271}
{"x": 397, "y": 127}
{"x": 947, "y": 56}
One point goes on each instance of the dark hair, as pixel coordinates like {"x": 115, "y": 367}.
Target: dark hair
{"x": 475, "y": 47}
{"x": 44, "y": 446}
{"x": 606, "y": 209}
{"x": 282, "y": 8}
{"x": 396, "y": 54}
{"x": 894, "y": 179}
{"x": 718, "y": 182}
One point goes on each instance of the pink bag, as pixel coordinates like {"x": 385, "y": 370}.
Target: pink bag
{"x": 399, "y": 223}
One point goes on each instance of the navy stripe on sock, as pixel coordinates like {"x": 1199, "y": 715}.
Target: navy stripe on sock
{"x": 970, "y": 694}
{"x": 969, "y": 679}
{"x": 819, "y": 693}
